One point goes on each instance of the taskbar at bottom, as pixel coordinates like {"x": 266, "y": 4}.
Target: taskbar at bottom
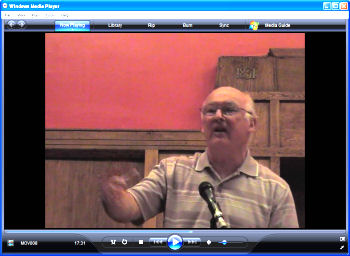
{"x": 177, "y": 244}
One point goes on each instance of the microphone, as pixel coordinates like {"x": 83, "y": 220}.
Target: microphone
{"x": 206, "y": 190}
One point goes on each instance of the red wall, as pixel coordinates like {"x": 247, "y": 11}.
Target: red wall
{"x": 140, "y": 81}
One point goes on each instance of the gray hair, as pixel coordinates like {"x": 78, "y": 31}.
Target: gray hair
{"x": 250, "y": 106}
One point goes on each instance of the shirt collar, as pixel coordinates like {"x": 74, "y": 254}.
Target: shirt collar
{"x": 249, "y": 166}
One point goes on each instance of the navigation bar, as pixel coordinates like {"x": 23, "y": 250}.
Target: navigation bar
{"x": 14, "y": 25}
{"x": 164, "y": 5}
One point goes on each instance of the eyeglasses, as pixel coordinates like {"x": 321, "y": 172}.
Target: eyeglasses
{"x": 227, "y": 111}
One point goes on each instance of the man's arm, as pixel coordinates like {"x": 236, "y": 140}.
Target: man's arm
{"x": 284, "y": 214}
{"x": 119, "y": 204}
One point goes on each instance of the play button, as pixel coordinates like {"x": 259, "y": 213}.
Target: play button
{"x": 175, "y": 242}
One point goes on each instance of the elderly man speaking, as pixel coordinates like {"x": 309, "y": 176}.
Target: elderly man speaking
{"x": 249, "y": 194}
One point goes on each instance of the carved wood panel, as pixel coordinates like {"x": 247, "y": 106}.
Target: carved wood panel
{"x": 72, "y": 192}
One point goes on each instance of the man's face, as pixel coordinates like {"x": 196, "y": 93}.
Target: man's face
{"x": 223, "y": 119}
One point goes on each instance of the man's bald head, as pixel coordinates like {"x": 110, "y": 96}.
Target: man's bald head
{"x": 226, "y": 93}
{"x": 228, "y": 120}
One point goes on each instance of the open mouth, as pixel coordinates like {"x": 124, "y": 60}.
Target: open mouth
{"x": 219, "y": 130}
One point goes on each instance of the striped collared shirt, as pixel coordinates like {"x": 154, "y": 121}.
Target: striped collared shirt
{"x": 251, "y": 197}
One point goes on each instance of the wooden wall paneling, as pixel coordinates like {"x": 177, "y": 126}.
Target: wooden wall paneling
{"x": 265, "y": 161}
{"x": 55, "y": 148}
{"x": 72, "y": 192}
{"x": 275, "y": 79}
{"x": 121, "y": 135}
{"x": 261, "y": 137}
{"x": 292, "y": 124}
{"x": 123, "y": 140}
{"x": 277, "y": 151}
{"x": 89, "y": 151}
{"x": 264, "y": 80}
{"x": 227, "y": 72}
{"x": 291, "y": 74}
{"x": 245, "y": 73}
{"x": 258, "y": 96}
{"x": 166, "y": 154}
{"x": 93, "y": 154}
{"x": 274, "y": 123}
{"x": 143, "y": 143}
{"x": 57, "y": 195}
{"x": 151, "y": 159}
{"x": 275, "y": 165}
{"x": 287, "y": 52}
{"x": 258, "y": 151}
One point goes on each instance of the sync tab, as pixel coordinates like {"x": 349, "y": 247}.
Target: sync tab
{"x": 224, "y": 25}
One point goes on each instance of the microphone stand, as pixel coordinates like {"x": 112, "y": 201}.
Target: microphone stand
{"x": 217, "y": 221}
{"x": 206, "y": 191}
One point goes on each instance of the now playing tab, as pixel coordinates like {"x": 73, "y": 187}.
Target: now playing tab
{"x": 72, "y": 26}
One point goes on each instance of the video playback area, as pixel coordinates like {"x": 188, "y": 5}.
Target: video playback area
{"x": 100, "y": 91}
